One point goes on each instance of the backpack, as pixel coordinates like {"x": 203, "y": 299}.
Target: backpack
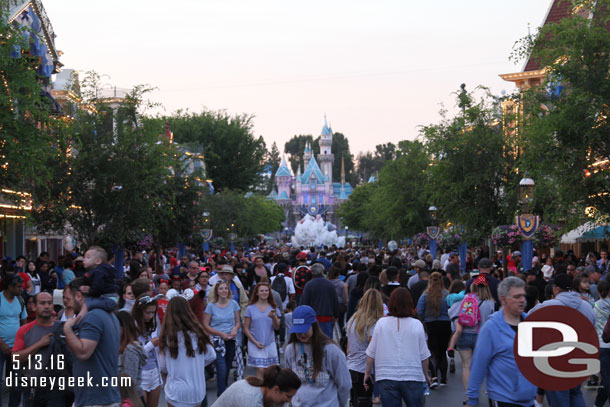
{"x": 469, "y": 314}
{"x": 279, "y": 285}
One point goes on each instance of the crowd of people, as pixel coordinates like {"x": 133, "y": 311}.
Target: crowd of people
{"x": 348, "y": 326}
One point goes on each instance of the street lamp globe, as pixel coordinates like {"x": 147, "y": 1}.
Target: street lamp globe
{"x": 526, "y": 190}
{"x": 432, "y": 211}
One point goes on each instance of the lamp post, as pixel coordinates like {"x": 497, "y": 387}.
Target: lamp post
{"x": 286, "y": 230}
{"x": 462, "y": 247}
{"x": 206, "y": 231}
{"x": 232, "y": 236}
{"x": 346, "y": 231}
{"x": 526, "y": 221}
{"x": 433, "y": 230}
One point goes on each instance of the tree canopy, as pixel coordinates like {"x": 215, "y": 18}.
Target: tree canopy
{"x": 234, "y": 157}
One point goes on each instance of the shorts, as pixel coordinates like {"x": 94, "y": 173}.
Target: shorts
{"x": 466, "y": 341}
{"x": 151, "y": 379}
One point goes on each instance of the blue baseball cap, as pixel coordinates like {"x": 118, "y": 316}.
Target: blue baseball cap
{"x": 302, "y": 318}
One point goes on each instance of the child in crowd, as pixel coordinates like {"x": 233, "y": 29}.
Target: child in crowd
{"x": 99, "y": 279}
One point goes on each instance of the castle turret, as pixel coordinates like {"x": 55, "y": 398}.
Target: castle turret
{"x": 283, "y": 178}
{"x": 326, "y": 157}
{"x": 307, "y": 154}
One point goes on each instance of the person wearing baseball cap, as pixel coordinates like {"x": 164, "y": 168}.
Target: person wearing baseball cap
{"x": 485, "y": 266}
{"x": 318, "y": 362}
{"x": 418, "y": 266}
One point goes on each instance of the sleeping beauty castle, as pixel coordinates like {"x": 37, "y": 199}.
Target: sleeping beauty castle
{"x": 312, "y": 191}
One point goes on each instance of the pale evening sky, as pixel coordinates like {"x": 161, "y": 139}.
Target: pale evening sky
{"x": 378, "y": 69}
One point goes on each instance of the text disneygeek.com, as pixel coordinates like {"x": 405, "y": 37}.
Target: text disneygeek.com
{"x": 62, "y": 383}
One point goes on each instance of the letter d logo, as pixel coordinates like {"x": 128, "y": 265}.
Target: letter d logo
{"x": 556, "y": 348}
{"x": 525, "y": 340}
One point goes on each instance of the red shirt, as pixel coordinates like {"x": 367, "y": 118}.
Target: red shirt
{"x": 26, "y": 278}
{"x": 161, "y": 307}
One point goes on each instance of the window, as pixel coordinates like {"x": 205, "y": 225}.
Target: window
{"x": 305, "y": 199}
{"x": 321, "y": 199}
{"x": 313, "y": 200}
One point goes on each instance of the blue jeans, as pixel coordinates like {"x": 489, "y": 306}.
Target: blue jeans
{"x": 223, "y": 365}
{"x": 566, "y": 398}
{"x": 327, "y": 328}
{"x": 394, "y": 392}
{"x": 14, "y": 392}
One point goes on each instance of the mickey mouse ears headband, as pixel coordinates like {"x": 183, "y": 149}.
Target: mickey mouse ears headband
{"x": 188, "y": 294}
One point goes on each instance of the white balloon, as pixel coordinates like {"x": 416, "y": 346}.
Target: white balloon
{"x": 312, "y": 231}
{"x": 69, "y": 243}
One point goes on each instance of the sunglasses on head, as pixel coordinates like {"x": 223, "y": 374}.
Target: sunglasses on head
{"x": 147, "y": 299}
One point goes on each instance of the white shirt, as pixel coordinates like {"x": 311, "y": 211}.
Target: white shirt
{"x": 185, "y": 384}
{"x": 289, "y": 289}
{"x": 398, "y": 353}
{"x": 445, "y": 260}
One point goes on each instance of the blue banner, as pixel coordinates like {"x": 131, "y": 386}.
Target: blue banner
{"x": 206, "y": 246}
{"x": 433, "y": 248}
{"x": 527, "y": 254}
{"x": 232, "y": 247}
{"x": 119, "y": 259}
{"x": 462, "y": 249}
{"x": 181, "y": 249}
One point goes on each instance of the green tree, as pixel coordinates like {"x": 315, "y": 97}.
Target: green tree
{"x": 340, "y": 149}
{"x": 295, "y": 148}
{"x": 397, "y": 204}
{"x": 31, "y": 133}
{"x": 114, "y": 181}
{"x": 273, "y": 160}
{"x": 565, "y": 121}
{"x": 248, "y": 216}
{"x": 369, "y": 164}
{"x": 234, "y": 157}
{"x": 471, "y": 180}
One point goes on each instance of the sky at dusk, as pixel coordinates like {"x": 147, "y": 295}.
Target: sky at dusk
{"x": 377, "y": 69}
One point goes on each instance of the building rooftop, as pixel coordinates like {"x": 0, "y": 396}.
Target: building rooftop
{"x": 312, "y": 169}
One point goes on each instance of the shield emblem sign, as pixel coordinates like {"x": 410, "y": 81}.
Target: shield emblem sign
{"x": 527, "y": 224}
{"x": 206, "y": 234}
{"x": 433, "y": 232}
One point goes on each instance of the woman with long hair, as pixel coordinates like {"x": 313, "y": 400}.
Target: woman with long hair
{"x": 132, "y": 356}
{"x": 318, "y": 362}
{"x": 184, "y": 350}
{"x": 32, "y": 272}
{"x": 432, "y": 307}
{"x": 359, "y": 333}
{"x": 465, "y": 337}
{"x": 276, "y": 387}
{"x": 144, "y": 314}
{"x": 261, "y": 320}
{"x": 400, "y": 371}
{"x": 221, "y": 320}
